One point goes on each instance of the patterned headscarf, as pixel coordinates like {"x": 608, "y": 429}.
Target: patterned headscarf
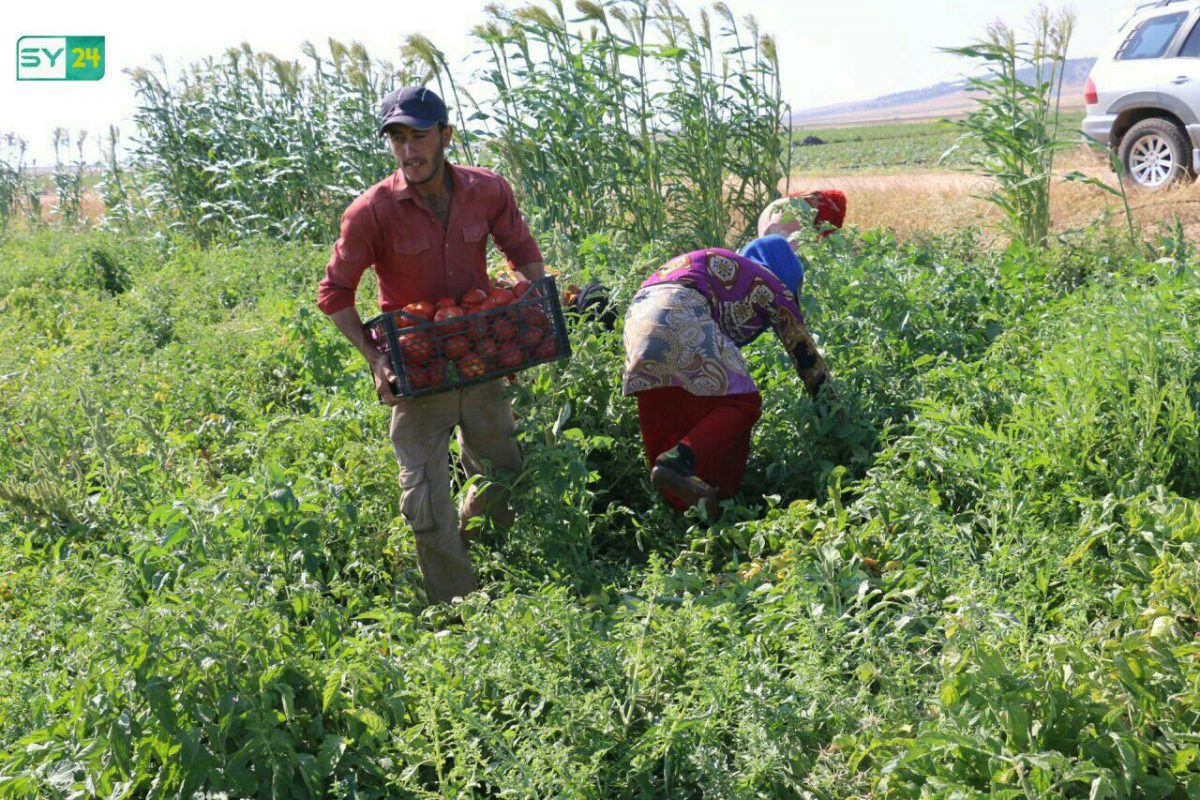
{"x": 774, "y": 253}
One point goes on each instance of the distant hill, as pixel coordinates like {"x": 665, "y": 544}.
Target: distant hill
{"x": 940, "y": 100}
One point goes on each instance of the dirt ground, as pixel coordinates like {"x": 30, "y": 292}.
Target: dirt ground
{"x": 911, "y": 203}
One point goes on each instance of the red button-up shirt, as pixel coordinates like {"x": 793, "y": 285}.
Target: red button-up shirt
{"x": 391, "y": 228}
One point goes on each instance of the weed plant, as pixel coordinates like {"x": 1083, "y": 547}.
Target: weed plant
{"x": 1014, "y": 133}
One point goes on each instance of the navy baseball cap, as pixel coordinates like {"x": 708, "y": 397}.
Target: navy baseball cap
{"x": 414, "y": 106}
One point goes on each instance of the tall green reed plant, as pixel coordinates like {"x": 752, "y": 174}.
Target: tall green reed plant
{"x": 627, "y": 118}
{"x": 633, "y": 117}
{"x": 121, "y": 188}
{"x": 20, "y": 197}
{"x": 630, "y": 117}
{"x": 252, "y": 143}
{"x": 21, "y": 187}
{"x": 69, "y": 177}
{"x": 419, "y": 50}
{"x": 1013, "y": 135}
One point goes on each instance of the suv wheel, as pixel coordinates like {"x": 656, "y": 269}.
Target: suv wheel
{"x": 1155, "y": 154}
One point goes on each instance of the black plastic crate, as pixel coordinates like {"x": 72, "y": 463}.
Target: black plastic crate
{"x": 434, "y": 356}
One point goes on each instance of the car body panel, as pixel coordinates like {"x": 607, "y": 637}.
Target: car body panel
{"x": 1155, "y": 99}
{"x": 1182, "y": 81}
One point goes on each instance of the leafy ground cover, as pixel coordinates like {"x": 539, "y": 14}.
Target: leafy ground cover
{"x": 977, "y": 577}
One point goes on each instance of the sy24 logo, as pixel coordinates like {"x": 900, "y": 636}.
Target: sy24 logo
{"x": 60, "y": 58}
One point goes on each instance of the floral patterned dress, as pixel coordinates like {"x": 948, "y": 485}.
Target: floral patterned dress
{"x": 686, "y": 324}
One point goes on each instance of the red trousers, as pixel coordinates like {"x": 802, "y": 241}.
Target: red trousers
{"x": 717, "y": 429}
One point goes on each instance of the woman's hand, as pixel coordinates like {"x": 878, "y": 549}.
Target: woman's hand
{"x": 815, "y": 377}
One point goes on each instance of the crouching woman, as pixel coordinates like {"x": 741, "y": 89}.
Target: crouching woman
{"x": 697, "y": 403}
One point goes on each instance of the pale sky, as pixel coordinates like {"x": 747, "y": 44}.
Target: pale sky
{"x": 830, "y": 52}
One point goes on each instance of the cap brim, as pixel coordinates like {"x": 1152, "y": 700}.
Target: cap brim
{"x": 412, "y": 122}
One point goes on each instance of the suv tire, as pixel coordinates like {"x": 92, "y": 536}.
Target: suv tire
{"x": 1155, "y": 155}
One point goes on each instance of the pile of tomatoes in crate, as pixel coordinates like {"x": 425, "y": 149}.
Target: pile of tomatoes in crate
{"x": 453, "y": 342}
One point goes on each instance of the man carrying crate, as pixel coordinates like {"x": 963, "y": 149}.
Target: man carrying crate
{"x": 424, "y": 230}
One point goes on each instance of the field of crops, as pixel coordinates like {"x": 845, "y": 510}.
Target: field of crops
{"x": 975, "y": 574}
{"x": 979, "y": 577}
{"x": 884, "y": 148}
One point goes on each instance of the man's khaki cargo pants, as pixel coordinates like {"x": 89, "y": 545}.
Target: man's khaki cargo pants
{"x": 420, "y": 434}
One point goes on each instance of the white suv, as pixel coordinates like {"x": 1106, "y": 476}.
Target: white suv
{"x": 1143, "y": 96}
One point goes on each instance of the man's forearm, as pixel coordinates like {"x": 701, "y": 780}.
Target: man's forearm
{"x": 533, "y": 270}
{"x": 350, "y": 324}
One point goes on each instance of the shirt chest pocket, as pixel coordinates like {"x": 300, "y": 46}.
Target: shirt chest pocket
{"x": 412, "y": 248}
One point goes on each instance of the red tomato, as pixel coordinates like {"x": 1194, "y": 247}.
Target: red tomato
{"x": 443, "y": 302}
{"x": 456, "y": 347}
{"x": 477, "y": 328}
{"x": 418, "y": 377}
{"x": 470, "y": 367}
{"x": 503, "y": 328}
{"x": 530, "y": 336}
{"x": 501, "y": 296}
{"x": 547, "y": 349}
{"x": 424, "y": 376}
{"x": 534, "y": 315}
{"x": 451, "y": 313}
{"x": 486, "y": 305}
{"x": 510, "y": 356}
{"x": 437, "y": 372}
{"x": 520, "y": 289}
{"x": 421, "y": 309}
{"x": 416, "y": 346}
{"x": 472, "y": 297}
{"x": 487, "y": 348}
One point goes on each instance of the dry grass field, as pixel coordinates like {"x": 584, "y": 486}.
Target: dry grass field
{"x": 920, "y": 202}
{"x": 913, "y": 202}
